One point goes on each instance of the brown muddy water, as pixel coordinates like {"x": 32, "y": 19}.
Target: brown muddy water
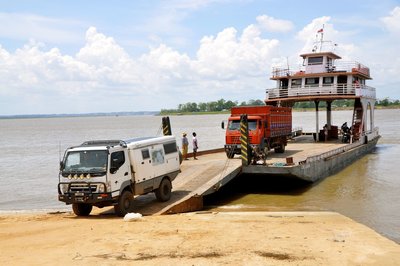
{"x": 366, "y": 191}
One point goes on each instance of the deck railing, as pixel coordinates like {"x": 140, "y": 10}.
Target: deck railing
{"x": 359, "y": 90}
{"x": 342, "y": 66}
{"x": 373, "y": 134}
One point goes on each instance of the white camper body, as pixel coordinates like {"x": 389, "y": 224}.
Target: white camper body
{"x": 110, "y": 172}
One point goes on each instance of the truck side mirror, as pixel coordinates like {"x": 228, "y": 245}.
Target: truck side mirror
{"x": 113, "y": 170}
{"x": 223, "y": 125}
{"x": 61, "y": 165}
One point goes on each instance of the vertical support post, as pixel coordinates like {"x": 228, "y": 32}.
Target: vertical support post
{"x": 245, "y": 150}
{"x": 166, "y": 125}
{"x": 329, "y": 113}
{"x": 316, "y": 121}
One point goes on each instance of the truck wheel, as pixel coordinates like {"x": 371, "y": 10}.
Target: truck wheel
{"x": 280, "y": 149}
{"x": 163, "y": 193}
{"x": 124, "y": 203}
{"x": 82, "y": 209}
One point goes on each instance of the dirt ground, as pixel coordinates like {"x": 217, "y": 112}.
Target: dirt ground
{"x": 234, "y": 238}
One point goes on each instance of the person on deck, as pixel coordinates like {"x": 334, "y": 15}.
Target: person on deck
{"x": 326, "y": 132}
{"x": 185, "y": 144}
{"x": 195, "y": 145}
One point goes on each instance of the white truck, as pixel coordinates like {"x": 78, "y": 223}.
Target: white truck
{"x": 109, "y": 172}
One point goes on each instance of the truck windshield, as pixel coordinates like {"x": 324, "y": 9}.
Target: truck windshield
{"x": 93, "y": 162}
{"x": 235, "y": 124}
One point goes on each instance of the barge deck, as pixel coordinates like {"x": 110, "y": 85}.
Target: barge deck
{"x": 309, "y": 160}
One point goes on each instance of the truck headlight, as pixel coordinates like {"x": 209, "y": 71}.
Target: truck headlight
{"x": 101, "y": 188}
{"x": 64, "y": 188}
{"x": 108, "y": 186}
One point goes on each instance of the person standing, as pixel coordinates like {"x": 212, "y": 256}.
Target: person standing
{"x": 326, "y": 132}
{"x": 185, "y": 144}
{"x": 195, "y": 145}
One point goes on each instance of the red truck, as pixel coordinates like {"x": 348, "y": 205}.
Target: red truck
{"x": 269, "y": 128}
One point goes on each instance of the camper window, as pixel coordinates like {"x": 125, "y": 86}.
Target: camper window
{"x": 170, "y": 148}
{"x": 145, "y": 154}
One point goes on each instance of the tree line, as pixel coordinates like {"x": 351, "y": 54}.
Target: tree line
{"x": 213, "y": 106}
{"x": 387, "y": 102}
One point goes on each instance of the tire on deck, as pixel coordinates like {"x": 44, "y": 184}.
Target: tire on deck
{"x": 163, "y": 192}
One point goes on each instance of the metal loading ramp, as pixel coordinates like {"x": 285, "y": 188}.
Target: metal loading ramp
{"x": 197, "y": 179}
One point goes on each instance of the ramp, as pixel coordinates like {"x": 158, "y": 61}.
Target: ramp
{"x": 197, "y": 179}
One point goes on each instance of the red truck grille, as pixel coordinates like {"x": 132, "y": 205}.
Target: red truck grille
{"x": 236, "y": 139}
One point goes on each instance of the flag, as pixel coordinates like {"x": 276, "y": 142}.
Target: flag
{"x": 320, "y": 31}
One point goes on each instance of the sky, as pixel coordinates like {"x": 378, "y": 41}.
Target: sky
{"x": 73, "y": 56}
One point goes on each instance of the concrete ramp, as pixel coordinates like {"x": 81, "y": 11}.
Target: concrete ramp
{"x": 197, "y": 179}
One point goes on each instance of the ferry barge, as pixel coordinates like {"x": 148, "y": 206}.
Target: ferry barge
{"x": 323, "y": 77}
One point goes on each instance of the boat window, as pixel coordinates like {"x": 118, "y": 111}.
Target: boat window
{"x": 312, "y": 81}
{"x": 296, "y": 82}
{"x": 328, "y": 80}
{"x": 315, "y": 60}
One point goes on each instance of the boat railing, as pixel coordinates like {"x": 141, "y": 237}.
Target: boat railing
{"x": 341, "y": 66}
{"x": 370, "y": 135}
{"x": 334, "y": 152}
{"x": 359, "y": 90}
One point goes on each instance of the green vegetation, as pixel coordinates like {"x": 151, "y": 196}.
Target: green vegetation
{"x": 386, "y": 102}
{"x": 209, "y": 107}
{"x": 338, "y": 104}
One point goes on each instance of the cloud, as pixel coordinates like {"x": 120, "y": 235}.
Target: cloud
{"x": 274, "y": 25}
{"x": 392, "y": 22}
{"x": 229, "y": 63}
{"x": 228, "y": 56}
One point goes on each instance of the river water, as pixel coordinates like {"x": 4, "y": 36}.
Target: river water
{"x": 366, "y": 191}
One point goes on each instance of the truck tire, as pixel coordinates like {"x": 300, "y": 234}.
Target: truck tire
{"x": 82, "y": 209}
{"x": 163, "y": 192}
{"x": 125, "y": 203}
{"x": 280, "y": 149}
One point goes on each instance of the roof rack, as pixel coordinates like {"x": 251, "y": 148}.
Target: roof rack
{"x": 104, "y": 143}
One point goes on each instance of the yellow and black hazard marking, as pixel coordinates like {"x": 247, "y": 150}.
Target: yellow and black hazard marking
{"x": 166, "y": 125}
{"x": 244, "y": 140}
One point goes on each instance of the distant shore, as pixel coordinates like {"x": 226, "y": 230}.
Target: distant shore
{"x": 158, "y": 113}
{"x": 294, "y": 110}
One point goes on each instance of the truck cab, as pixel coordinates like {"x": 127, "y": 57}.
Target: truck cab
{"x": 110, "y": 172}
{"x": 268, "y": 128}
{"x": 256, "y": 127}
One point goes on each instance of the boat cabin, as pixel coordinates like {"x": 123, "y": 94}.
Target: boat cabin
{"x": 324, "y": 77}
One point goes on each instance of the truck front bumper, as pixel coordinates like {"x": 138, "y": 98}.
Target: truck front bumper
{"x": 236, "y": 148}
{"x": 81, "y": 193}
{"x": 77, "y": 197}
{"x": 232, "y": 147}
